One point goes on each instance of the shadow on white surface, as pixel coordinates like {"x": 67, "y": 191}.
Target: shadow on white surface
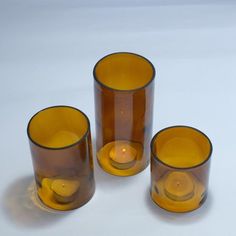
{"x": 179, "y": 218}
{"x": 22, "y": 207}
{"x": 107, "y": 181}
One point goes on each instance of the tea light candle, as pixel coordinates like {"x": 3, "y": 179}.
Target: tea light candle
{"x": 178, "y": 186}
{"x": 122, "y": 155}
{"x": 64, "y": 190}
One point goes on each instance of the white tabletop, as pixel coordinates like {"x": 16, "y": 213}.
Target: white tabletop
{"x": 47, "y": 52}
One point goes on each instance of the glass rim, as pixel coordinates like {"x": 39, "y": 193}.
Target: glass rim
{"x": 124, "y": 90}
{"x": 156, "y": 158}
{"x": 63, "y": 147}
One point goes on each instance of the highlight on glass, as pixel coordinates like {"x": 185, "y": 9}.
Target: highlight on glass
{"x": 180, "y": 162}
{"x": 124, "y": 90}
{"x": 60, "y": 144}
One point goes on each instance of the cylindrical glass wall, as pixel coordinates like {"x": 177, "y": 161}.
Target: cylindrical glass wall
{"x": 60, "y": 145}
{"x": 124, "y": 90}
{"x": 180, "y": 163}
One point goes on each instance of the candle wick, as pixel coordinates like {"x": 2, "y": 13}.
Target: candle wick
{"x": 123, "y": 150}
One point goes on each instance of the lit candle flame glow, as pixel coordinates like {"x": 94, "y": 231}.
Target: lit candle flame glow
{"x": 122, "y": 155}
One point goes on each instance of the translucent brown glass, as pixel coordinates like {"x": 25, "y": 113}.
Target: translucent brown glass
{"x": 124, "y": 87}
{"x": 180, "y": 162}
{"x": 60, "y": 145}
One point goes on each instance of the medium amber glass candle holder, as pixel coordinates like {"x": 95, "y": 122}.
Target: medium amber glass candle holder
{"x": 60, "y": 145}
{"x": 124, "y": 87}
{"x": 180, "y": 161}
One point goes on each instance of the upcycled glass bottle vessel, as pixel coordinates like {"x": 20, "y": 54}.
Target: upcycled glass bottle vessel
{"x": 180, "y": 162}
{"x": 124, "y": 90}
{"x": 60, "y": 145}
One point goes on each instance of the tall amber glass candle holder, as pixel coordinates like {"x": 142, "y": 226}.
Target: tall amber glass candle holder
{"x": 124, "y": 86}
{"x": 60, "y": 145}
{"x": 180, "y": 162}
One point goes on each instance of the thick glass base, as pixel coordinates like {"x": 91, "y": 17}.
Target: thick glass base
{"x": 178, "y": 192}
{"x": 65, "y": 194}
{"x": 122, "y": 158}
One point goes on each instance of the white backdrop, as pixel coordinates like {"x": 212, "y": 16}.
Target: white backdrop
{"x": 47, "y": 52}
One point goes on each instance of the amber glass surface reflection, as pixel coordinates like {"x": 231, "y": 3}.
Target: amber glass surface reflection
{"x": 180, "y": 162}
{"x": 124, "y": 86}
{"x": 60, "y": 145}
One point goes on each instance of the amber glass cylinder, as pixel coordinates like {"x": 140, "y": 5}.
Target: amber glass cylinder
{"x": 60, "y": 144}
{"x": 124, "y": 87}
{"x": 180, "y": 162}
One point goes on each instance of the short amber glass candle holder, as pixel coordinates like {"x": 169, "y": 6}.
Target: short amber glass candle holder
{"x": 180, "y": 161}
{"x": 60, "y": 144}
{"x": 124, "y": 87}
